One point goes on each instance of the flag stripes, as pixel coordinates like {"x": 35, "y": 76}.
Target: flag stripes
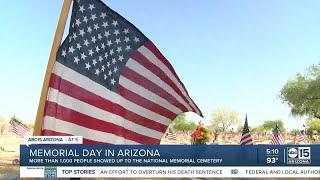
{"x": 18, "y": 128}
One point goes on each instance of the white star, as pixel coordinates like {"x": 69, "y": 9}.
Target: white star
{"x": 109, "y": 43}
{"x": 93, "y": 17}
{"x": 113, "y": 60}
{"x": 126, "y": 31}
{"x": 76, "y": 59}
{"x": 71, "y": 49}
{"x": 97, "y": 72}
{"x": 89, "y": 29}
{"x": 116, "y": 32}
{"x": 70, "y": 38}
{"x": 74, "y": 36}
{"x": 97, "y": 49}
{"x": 85, "y": 19}
{"x": 109, "y": 73}
{"x": 128, "y": 48}
{"x": 106, "y": 34}
{"x": 88, "y": 66}
{"x": 83, "y": 56}
{"x": 126, "y": 39}
{"x": 86, "y": 42}
{"x": 114, "y": 23}
{"x": 90, "y": 52}
{"x": 78, "y": 22}
{"x": 111, "y": 52}
{"x": 93, "y": 39}
{"x": 99, "y": 36}
{"x": 105, "y": 24}
{"x": 115, "y": 69}
{"x": 108, "y": 64}
{"x": 91, "y": 6}
{"x": 118, "y": 40}
{"x": 112, "y": 81}
{"x": 103, "y": 46}
{"x": 103, "y": 68}
{"x": 100, "y": 59}
{"x": 81, "y": 33}
{"x": 95, "y": 26}
{"x": 119, "y": 49}
{"x": 106, "y": 55}
{"x": 81, "y": 9}
{"x": 105, "y": 76}
{"x": 103, "y": 15}
{"x": 78, "y": 46}
{"x": 121, "y": 58}
{"x": 94, "y": 62}
{"x": 64, "y": 53}
{"x": 136, "y": 39}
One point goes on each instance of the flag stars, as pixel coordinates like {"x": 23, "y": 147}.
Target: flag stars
{"x": 128, "y": 48}
{"x": 106, "y": 34}
{"x": 76, "y": 59}
{"x": 93, "y": 39}
{"x": 105, "y": 24}
{"x": 136, "y": 39}
{"x": 103, "y": 68}
{"x": 126, "y": 31}
{"x": 93, "y": 17}
{"x": 99, "y": 36}
{"x": 91, "y": 7}
{"x": 81, "y": 32}
{"x": 120, "y": 58}
{"x": 103, "y": 46}
{"x": 83, "y": 56}
{"x": 97, "y": 49}
{"x": 117, "y": 40}
{"x": 108, "y": 64}
{"x": 89, "y": 30}
{"x": 78, "y": 46}
{"x": 74, "y": 36}
{"x": 100, "y": 59}
{"x": 97, "y": 72}
{"x": 86, "y": 42}
{"x": 114, "y": 23}
{"x": 105, "y": 77}
{"x": 103, "y": 15}
{"x": 81, "y": 9}
{"x": 109, "y": 73}
{"x": 71, "y": 49}
{"x": 95, "y": 27}
{"x": 78, "y": 22}
{"x": 109, "y": 43}
{"x": 126, "y": 39}
{"x": 64, "y": 53}
{"x": 113, "y": 60}
{"x": 106, "y": 55}
{"x": 90, "y": 52}
{"x": 94, "y": 62}
{"x": 88, "y": 66}
{"x": 116, "y": 32}
{"x": 115, "y": 69}
{"x": 112, "y": 81}
{"x": 119, "y": 49}
{"x": 85, "y": 19}
{"x": 111, "y": 52}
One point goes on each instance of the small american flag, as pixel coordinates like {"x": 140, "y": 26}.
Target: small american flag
{"x": 17, "y": 127}
{"x": 277, "y": 137}
{"x": 246, "y": 138}
{"x": 110, "y": 84}
{"x": 171, "y": 135}
{"x": 301, "y": 138}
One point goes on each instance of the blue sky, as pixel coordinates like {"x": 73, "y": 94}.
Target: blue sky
{"x": 232, "y": 54}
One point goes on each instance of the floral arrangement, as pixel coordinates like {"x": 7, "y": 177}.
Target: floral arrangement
{"x": 201, "y": 135}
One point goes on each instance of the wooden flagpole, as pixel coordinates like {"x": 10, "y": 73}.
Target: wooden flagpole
{"x": 52, "y": 58}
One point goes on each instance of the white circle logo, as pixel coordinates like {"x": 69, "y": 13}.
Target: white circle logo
{"x": 292, "y": 153}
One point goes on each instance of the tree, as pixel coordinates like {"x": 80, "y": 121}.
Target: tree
{"x": 259, "y": 129}
{"x": 302, "y": 93}
{"x": 180, "y": 123}
{"x": 314, "y": 125}
{"x": 223, "y": 119}
{"x": 270, "y": 125}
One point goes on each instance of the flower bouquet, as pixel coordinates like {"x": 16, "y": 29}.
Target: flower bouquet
{"x": 201, "y": 135}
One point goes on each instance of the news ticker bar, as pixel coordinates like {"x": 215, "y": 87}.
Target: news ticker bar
{"x": 149, "y": 172}
{"x": 169, "y": 155}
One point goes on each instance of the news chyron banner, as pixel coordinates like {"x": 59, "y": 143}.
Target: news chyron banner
{"x": 146, "y": 161}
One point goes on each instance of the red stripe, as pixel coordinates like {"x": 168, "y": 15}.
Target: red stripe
{"x": 60, "y": 112}
{"x": 83, "y": 95}
{"x": 133, "y": 97}
{"x": 137, "y": 56}
{"x": 158, "y": 54}
{"x": 47, "y": 132}
{"x": 142, "y": 81}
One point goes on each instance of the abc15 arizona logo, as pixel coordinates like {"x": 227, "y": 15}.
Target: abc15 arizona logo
{"x": 298, "y": 155}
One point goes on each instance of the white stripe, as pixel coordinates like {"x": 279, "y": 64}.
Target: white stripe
{"x": 138, "y": 68}
{"x": 153, "y": 59}
{"x": 145, "y": 93}
{"x": 93, "y": 87}
{"x": 53, "y": 124}
{"x": 92, "y": 111}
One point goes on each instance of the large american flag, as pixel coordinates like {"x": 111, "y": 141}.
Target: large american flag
{"x": 110, "y": 84}
{"x": 276, "y": 136}
{"x": 246, "y": 138}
